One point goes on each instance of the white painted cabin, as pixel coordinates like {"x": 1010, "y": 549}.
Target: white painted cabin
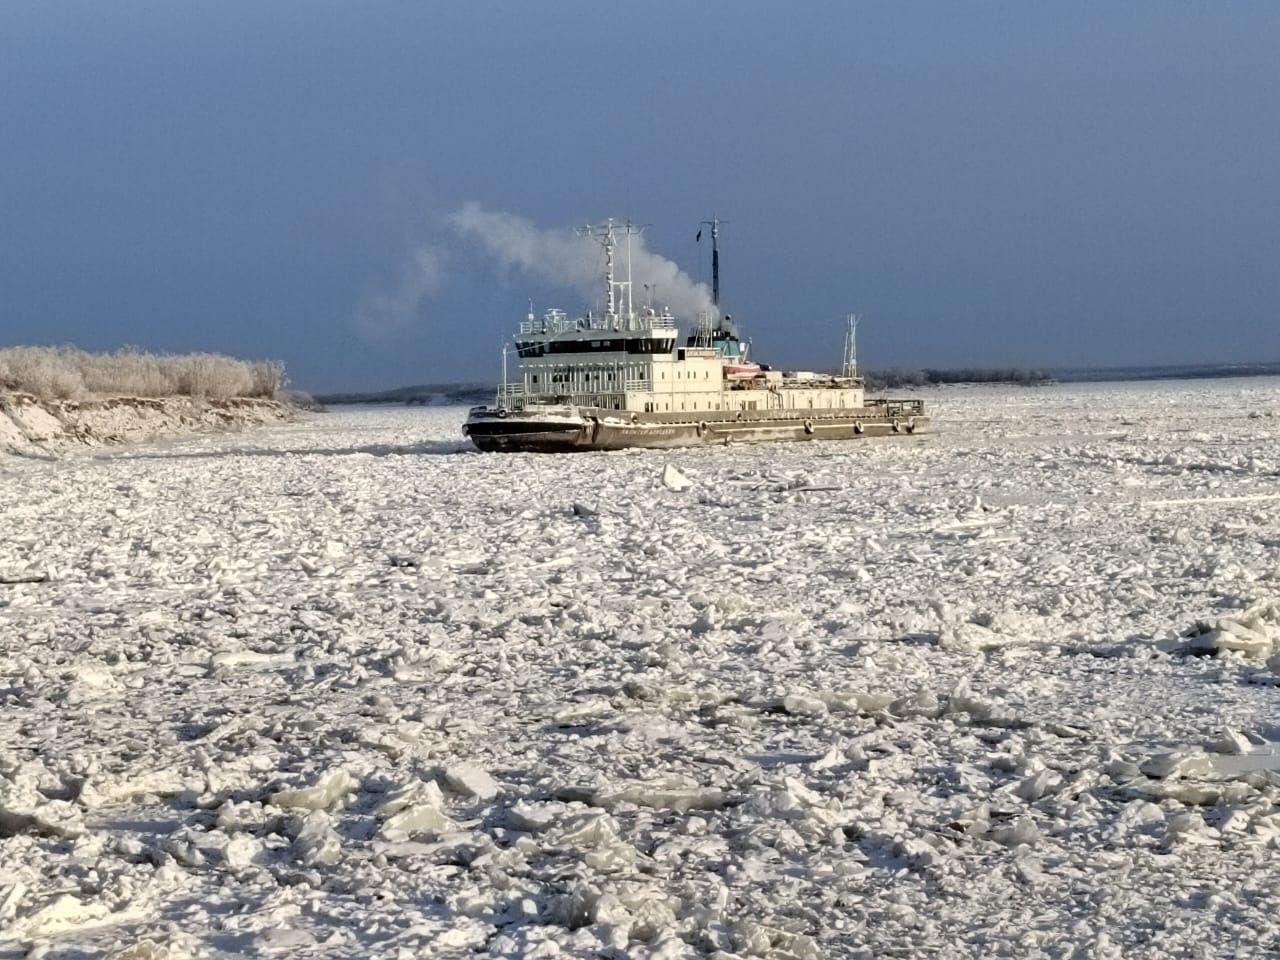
{"x": 635, "y": 365}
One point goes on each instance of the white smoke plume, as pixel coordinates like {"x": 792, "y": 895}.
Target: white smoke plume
{"x": 559, "y": 256}
{"x": 552, "y": 255}
{"x": 385, "y": 314}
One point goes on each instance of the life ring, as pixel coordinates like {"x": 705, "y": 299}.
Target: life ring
{"x": 502, "y": 412}
{"x": 808, "y": 426}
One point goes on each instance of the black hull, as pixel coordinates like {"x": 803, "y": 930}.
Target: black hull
{"x": 524, "y": 431}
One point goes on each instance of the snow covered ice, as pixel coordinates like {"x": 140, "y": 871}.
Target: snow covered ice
{"x": 346, "y": 688}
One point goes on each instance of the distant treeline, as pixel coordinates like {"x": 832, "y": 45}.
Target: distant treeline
{"x": 448, "y": 394}
{"x": 433, "y": 394}
{"x": 1205, "y": 371}
{"x": 881, "y": 379}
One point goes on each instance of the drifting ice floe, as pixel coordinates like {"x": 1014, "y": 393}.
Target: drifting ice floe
{"x": 328, "y": 791}
{"x": 414, "y": 810}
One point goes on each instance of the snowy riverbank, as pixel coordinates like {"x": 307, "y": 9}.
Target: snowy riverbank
{"x": 344, "y": 688}
{"x": 34, "y": 427}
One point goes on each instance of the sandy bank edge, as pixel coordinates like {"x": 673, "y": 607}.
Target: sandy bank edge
{"x": 33, "y": 427}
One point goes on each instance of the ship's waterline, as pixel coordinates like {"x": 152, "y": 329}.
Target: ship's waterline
{"x": 498, "y": 430}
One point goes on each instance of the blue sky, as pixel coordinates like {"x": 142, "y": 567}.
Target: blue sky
{"x": 986, "y": 183}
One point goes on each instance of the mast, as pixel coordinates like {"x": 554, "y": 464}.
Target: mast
{"x": 714, "y": 224}
{"x": 604, "y": 234}
{"x": 715, "y": 262}
{"x": 631, "y": 308}
{"x": 702, "y": 329}
{"x": 850, "y": 365}
{"x": 611, "y": 308}
{"x": 502, "y": 387}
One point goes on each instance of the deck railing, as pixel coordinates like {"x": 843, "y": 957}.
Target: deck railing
{"x": 515, "y": 396}
{"x": 898, "y": 408}
{"x": 517, "y": 393}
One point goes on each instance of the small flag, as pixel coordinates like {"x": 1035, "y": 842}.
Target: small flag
{"x": 698, "y": 238}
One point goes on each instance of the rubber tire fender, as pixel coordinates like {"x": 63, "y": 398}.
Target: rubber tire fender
{"x": 857, "y": 427}
{"x": 702, "y": 428}
{"x": 808, "y": 426}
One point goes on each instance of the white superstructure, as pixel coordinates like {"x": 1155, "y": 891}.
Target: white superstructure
{"x": 630, "y": 360}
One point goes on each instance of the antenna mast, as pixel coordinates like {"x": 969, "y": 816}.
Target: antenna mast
{"x": 604, "y": 234}
{"x": 850, "y": 366}
{"x": 702, "y": 329}
{"x": 714, "y": 224}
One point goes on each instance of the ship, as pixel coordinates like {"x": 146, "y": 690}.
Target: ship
{"x": 625, "y": 378}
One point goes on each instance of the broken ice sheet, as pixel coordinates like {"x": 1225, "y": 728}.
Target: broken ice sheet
{"x": 577, "y": 722}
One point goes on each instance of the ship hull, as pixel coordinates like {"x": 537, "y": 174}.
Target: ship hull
{"x": 592, "y": 429}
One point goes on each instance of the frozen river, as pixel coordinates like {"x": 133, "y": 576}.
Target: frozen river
{"x": 346, "y": 688}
